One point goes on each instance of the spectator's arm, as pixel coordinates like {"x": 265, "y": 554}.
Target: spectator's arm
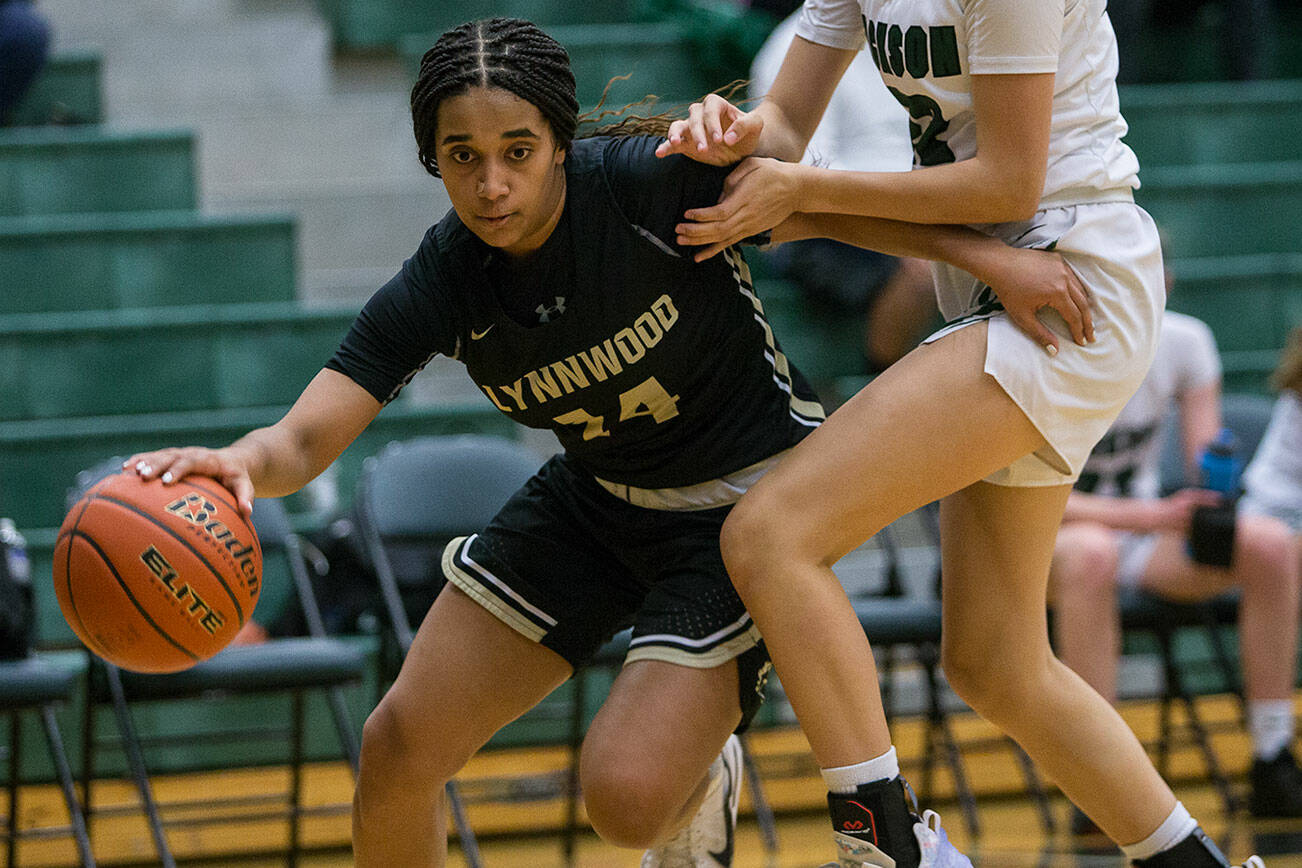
{"x": 1200, "y": 420}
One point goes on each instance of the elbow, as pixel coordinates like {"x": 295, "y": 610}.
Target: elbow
{"x": 1015, "y": 203}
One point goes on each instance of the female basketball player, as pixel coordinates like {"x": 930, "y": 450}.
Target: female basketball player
{"x": 557, "y": 281}
{"x": 1017, "y": 131}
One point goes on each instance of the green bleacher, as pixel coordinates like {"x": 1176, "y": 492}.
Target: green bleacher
{"x": 1213, "y": 122}
{"x": 62, "y": 170}
{"x": 144, "y": 259}
{"x": 360, "y": 25}
{"x": 68, "y": 90}
{"x": 143, "y": 360}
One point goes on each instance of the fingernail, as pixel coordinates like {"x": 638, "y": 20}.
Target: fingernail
{"x": 1082, "y": 342}
{"x": 140, "y": 465}
{"x": 167, "y": 477}
{"x": 1051, "y": 350}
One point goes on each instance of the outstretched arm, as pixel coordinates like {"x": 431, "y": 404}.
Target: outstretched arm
{"x": 281, "y": 458}
{"x": 718, "y": 132}
{"x": 1002, "y": 182}
{"x": 1024, "y": 280}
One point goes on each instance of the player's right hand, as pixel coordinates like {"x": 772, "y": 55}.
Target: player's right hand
{"x": 171, "y": 465}
{"x": 715, "y": 132}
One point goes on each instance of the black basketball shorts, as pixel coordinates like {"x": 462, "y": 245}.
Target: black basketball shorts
{"x": 569, "y": 565}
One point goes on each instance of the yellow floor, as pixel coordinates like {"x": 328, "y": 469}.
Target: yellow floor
{"x": 1012, "y": 834}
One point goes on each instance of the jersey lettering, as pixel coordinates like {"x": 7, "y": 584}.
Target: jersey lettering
{"x": 915, "y": 50}
{"x": 627, "y": 347}
{"x": 647, "y": 398}
{"x": 929, "y": 149}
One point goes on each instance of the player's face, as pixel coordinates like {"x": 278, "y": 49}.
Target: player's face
{"x": 502, "y": 168}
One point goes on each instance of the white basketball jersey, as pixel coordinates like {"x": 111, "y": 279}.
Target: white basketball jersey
{"x": 928, "y": 49}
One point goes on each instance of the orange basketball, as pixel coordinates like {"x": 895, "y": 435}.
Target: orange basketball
{"x": 153, "y": 577}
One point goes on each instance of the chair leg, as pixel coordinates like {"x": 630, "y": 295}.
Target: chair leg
{"x": 764, "y": 818}
{"x": 465, "y": 834}
{"x": 15, "y": 748}
{"x": 1035, "y": 787}
{"x": 1176, "y": 686}
{"x": 295, "y": 779}
{"x": 136, "y": 761}
{"x": 344, "y": 726}
{"x": 575, "y": 737}
{"x": 75, "y": 818}
{"x": 938, "y": 723}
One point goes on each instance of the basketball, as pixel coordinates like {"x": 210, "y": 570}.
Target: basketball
{"x": 153, "y": 577}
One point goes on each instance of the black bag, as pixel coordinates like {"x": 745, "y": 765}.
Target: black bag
{"x": 17, "y": 631}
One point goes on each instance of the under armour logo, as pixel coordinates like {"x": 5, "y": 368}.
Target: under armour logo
{"x": 545, "y": 312}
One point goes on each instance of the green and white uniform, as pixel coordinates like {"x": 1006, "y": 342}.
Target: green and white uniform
{"x": 927, "y": 51}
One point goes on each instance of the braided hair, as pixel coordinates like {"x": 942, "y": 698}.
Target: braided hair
{"x": 509, "y": 53}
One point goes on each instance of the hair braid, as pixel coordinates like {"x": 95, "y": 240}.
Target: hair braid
{"x": 509, "y": 53}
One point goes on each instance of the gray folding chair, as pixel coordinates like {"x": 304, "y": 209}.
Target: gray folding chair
{"x": 293, "y": 666}
{"x": 35, "y": 685}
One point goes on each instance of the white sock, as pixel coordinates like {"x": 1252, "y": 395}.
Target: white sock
{"x": 1271, "y": 723}
{"x": 1173, "y": 830}
{"x": 846, "y": 779}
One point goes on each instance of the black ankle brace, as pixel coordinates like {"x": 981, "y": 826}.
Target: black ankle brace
{"x": 879, "y": 814}
{"x": 1195, "y": 851}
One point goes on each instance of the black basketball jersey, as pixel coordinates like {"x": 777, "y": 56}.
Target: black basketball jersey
{"x": 655, "y": 372}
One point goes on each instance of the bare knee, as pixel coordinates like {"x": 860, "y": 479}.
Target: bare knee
{"x": 1085, "y": 564}
{"x": 751, "y": 543}
{"x": 397, "y": 764}
{"x": 1265, "y": 550}
{"x": 626, "y": 804}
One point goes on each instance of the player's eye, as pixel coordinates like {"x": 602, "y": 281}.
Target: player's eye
{"x": 520, "y": 152}
{"x": 462, "y": 157}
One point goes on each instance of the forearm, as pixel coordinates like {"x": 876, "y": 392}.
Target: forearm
{"x": 969, "y": 191}
{"x": 278, "y": 463}
{"x": 1119, "y": 513}
{"x": 779, "y": 138}
{"x": 974, "y": 252}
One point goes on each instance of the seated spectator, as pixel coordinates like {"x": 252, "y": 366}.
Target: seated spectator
{"x": 1117, "y": 531}
{"x": 24, "y": 45}
{"x": 864, "y": 129}
{"x": 1273, "y": 479}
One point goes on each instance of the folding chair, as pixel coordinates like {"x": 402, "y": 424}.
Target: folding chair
{"x": 411, "y": 499}
{"x": 292, "y": 666}
{"x": 32, "y": 684}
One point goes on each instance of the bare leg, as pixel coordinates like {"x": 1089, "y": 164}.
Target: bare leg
{"x": 1265, "y": 567}
{"x": 997, "y": 544}
{"x": 467, "y": 676}
{"x": 648, "y": 750}
{"x": 931, "y": 425}
{"x": 1086, "y": 621}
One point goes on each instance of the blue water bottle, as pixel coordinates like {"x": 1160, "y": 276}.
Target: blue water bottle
{"x": 1219, "y": 467}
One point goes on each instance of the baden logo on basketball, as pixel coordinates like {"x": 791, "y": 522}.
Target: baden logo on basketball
{"x": 201, "y": 512}
{"x": 202, "y": 613}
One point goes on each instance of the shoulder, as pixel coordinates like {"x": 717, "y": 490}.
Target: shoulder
{"x": 1183, "y": 331}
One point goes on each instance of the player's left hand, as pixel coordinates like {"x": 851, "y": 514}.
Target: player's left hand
{"x": 758, "y": 195}
{"x": 1036, "y": 279}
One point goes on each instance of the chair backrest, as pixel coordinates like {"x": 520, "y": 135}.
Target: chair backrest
{"x": 442, "y": 486}
{"x": 1246, "y": 415}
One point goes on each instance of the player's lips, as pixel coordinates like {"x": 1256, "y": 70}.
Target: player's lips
{"x": 495, "y": 221}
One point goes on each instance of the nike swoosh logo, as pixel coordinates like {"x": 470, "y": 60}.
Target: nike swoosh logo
{"x": 724, "y": 856}
{"x": 474, "y": 335}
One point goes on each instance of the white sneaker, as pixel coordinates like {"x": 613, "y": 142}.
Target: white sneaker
{"x": 707, "y": 841}
{"x": 937, "y": 852}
